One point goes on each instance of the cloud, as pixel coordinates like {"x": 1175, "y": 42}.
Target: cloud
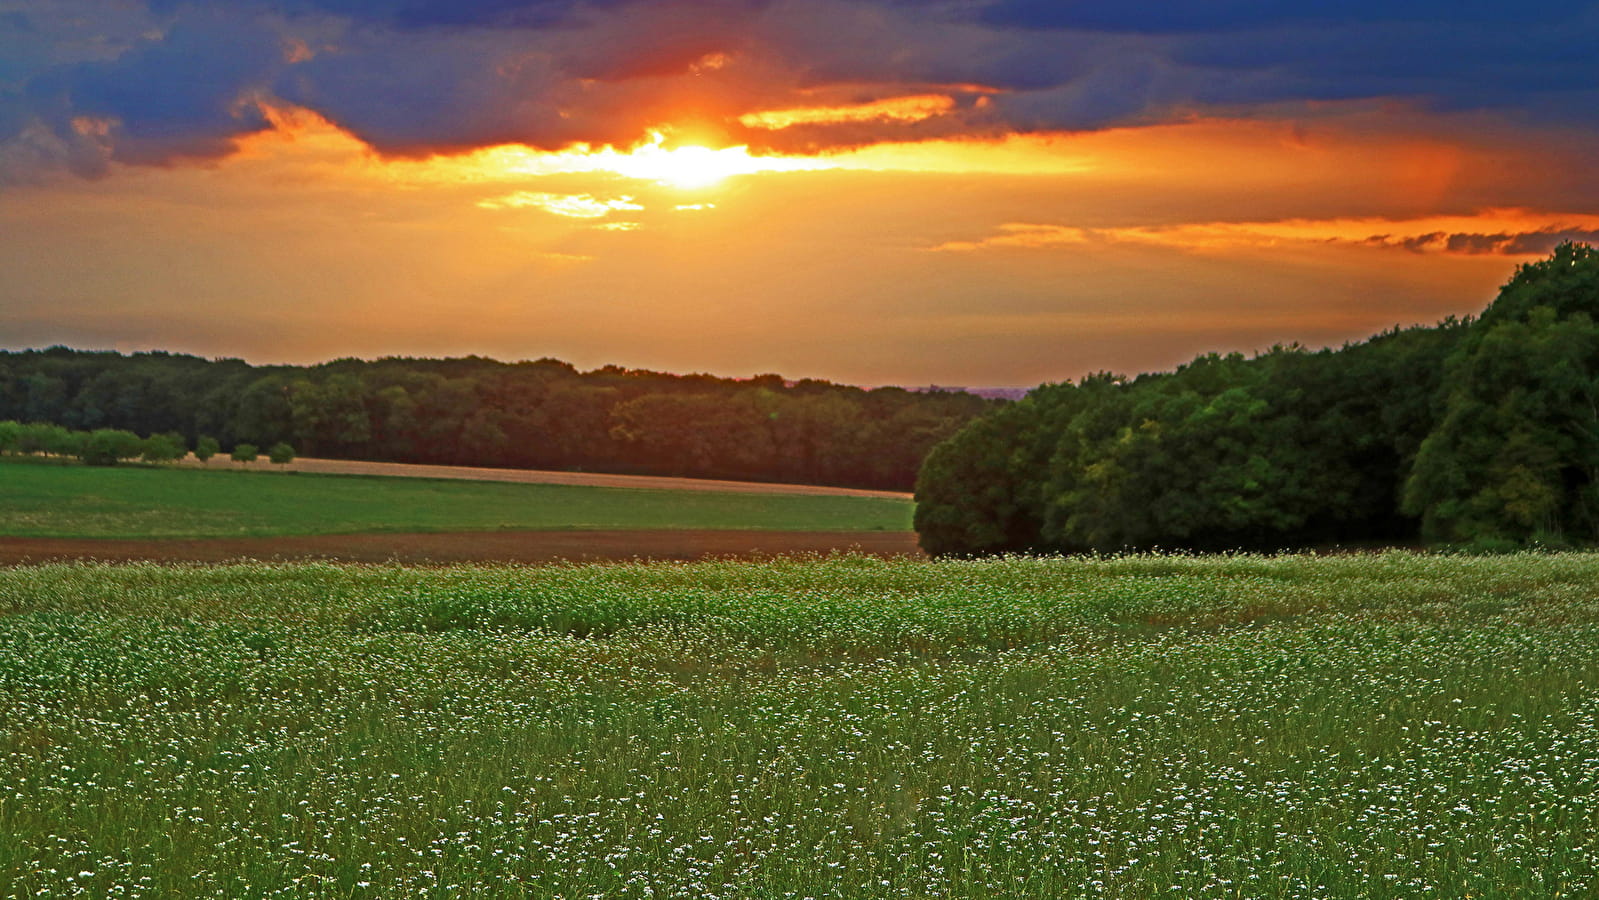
{"x": 573, "y": 206}
{"x": 178, "y": 92}
{"x": 1515, "y": 233}
{"x": 413, "y": 77}
{"x": 1525, "y": 243}
{"x": 408, "y": 93}
{"x": 1182, "y": 16}
{"x": 180, "y": 95}
{"x": 914, "y": 108}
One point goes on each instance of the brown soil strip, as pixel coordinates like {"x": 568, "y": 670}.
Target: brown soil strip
{"x": 476, "y": 546}
{"x": 534, "y": 476}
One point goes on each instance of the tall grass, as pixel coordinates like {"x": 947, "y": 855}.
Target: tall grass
{"x": 1388, "y": 725}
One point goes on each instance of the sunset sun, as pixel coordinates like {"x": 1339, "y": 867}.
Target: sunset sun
{"x": 695, "y": 167}
{"x": 687, "y": 166}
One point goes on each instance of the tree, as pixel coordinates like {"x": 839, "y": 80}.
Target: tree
{"x": 159, "y": 448}
{"x": 979, "y": 491}
{"x": 108, "y": 446}
{"x": 38, "y": 437}
{"x": 205, "y": 448}
{"x": 330, "y": 416}
{"x": 698, "y": 435}
{"x": 260, "y": 412}
{"x": 476, "y": 411}
{"x": 280, "y": 454}
{"x": 482, "y": 439}
{"x": 1515, "y": 457}
{"x": 245, "y": 453}
{"x": 1289, "y": 448}
{"x": 812, "y": 435}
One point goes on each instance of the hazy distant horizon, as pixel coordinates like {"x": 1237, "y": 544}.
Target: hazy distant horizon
{"x": 791, "y": 378}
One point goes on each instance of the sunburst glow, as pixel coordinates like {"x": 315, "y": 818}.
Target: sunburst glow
{"x": 311, "y": 139}
{"x": 687, "y": 167}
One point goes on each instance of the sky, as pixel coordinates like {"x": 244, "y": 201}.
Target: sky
{"x": 972, "y": 192}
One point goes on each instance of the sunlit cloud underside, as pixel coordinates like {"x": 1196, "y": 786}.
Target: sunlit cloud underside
{"x": 1507, "y": 232}
{"x": 665, "y": 161}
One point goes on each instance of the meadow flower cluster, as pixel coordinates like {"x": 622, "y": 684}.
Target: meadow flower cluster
{"x": 1389, "y": 725}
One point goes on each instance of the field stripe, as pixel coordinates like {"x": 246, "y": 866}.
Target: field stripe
{"x": 539, "y": 476}
{"x": 473, "y": 546}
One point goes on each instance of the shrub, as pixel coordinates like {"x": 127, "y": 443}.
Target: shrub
{"x": 159, "y": 448}
{"x": 108, "y": 446}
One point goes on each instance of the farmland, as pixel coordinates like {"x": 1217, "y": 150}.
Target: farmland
{"x": 46, "y": 499}
{"x": 1391, "y": 725}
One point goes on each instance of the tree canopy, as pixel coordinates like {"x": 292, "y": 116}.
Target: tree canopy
{"x": 474, "y": 411}
{"x": 1515, "y": 453}
{"x": 1482, "y": 431}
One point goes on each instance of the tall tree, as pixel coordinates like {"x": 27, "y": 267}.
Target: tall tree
{"x": 1516, "y": 454}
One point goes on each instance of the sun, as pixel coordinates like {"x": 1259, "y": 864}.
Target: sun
{"x": 692, "y": 166}
{"x": 699, "y": 167}
{"x": 687, "y": 167}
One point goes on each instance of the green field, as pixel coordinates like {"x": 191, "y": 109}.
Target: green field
{"x": 45, "y": 499}
{"x": 1378, "y": 726}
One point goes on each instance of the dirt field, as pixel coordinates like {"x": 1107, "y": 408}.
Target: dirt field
{"x": 534, "y": 476}
{"x": 476, "y": 546}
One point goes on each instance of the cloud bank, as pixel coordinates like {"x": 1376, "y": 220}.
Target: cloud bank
{"x": 84, "y": 84}
{"x": 1515, "y": 232}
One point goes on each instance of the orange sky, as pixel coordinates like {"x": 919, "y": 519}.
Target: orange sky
{"x": 972, "y": 192}
{"x": 977, "y": 261}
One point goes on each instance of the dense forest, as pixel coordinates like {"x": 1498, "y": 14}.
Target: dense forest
{"x": 474, "y": 411}
{"x": 1481, "y": 432}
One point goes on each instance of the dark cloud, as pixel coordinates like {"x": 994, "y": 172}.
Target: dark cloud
{"x": 423, "y": 14}
{"x": 408, "y": 13}
{"x": 14, "y": 115}
{"x": 1189, "y": 16}
{"x": 1541, "y": 243}
{"x": 409, "y": 91}
{"x": 399, "y": 92}
{"x": 1504, "y": 243}
{"x": 1447, "y": 64}
{"x": 182, "y": 94}
{"x": 180, "y": 77}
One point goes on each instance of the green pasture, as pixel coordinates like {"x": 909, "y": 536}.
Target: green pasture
{"x": 1371, "y": 726}
{"x": 48, "y": 499}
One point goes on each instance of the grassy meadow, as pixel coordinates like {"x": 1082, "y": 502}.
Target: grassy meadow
{"x": 43, "y": 498}
{"x": 1379, "y": 726}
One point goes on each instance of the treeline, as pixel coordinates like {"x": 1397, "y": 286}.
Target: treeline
{"x": 101, "y": 447}
{"x": 1480, "y": 432}
{"x": 110, "y": 446}
{"x": 480, "y": 412}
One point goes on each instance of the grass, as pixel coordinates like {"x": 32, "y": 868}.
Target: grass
{"x": 1380, "y": 726}
{"x": 43, "y": 499}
